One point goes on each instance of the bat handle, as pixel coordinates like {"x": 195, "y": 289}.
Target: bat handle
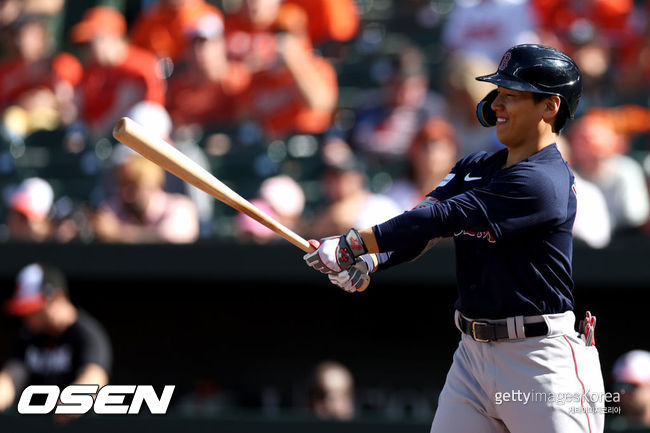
{"x": 313, "y": 245}
{"x": 301, "y": 243}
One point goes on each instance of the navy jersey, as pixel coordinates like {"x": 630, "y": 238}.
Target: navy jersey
{"x": 512, "y": 229}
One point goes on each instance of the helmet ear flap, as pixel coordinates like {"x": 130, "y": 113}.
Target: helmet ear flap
{"x": 486, "y": 115}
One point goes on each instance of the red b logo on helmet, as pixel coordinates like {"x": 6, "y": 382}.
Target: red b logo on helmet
{"x": 505, "y": 60}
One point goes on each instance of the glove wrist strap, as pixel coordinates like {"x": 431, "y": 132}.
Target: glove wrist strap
{"x": 355, "y": 242}
{"x": 350, "y": 247}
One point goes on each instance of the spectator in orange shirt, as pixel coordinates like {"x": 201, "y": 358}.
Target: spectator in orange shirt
{"x": 162, "y": 29}
{"x": 292, "y": 89}
{"x": 206, "y": 88}
{"x": 117, "y": 74}
{"x": 37, "y": 85}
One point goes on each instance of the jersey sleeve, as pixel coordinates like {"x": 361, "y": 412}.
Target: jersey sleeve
{"x": 389, "y": 259}
{"x": 519, "y": 200}
{"x": 449, "y": 187}
{"x": 452, "y": 183}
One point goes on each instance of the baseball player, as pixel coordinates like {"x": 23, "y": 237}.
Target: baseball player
{"x": 520, "y": 365}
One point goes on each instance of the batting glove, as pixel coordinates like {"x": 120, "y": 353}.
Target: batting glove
{"x": 337, "y": 253}
{"x": 357, "y": 278}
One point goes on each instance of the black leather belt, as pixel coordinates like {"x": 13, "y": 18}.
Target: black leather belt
{"x": 484, "y": 332}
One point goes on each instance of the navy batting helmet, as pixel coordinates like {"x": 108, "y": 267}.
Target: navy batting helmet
{"x": 539, "y": 69}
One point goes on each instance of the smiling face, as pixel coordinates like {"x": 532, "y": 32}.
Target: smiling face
{"x": 519, "y": 117}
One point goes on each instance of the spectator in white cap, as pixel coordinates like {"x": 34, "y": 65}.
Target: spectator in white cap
{"x": 631, "y": 376}
{"x": 156, "y": 120}
{"x": 29, "y": 207}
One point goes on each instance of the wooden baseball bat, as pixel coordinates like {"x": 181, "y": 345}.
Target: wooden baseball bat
{"x": 171, "y": 159}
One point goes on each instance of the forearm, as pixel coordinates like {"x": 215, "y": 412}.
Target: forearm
{"x": 409, "y": 250}
{"x": 369, "y": 240}
{"x": 402, "y": 238}
{"x": 407, "y": 230}
{"x": 386, "y": 260}
{"x": 411, "y": 228}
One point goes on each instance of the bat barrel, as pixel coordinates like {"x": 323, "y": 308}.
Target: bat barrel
{"x": 171, "y": 159}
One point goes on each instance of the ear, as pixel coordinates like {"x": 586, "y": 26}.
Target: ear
{"x": 551, "y": 107}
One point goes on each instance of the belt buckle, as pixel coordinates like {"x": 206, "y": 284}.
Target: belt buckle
{"x": 474, "y": 325}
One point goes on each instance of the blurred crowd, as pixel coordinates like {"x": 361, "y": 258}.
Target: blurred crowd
{"x": 326, "y": 114}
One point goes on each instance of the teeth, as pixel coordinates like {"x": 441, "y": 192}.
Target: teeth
{"x": 501, "y": 120}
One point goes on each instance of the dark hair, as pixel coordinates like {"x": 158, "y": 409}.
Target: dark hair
{"x": 562, "y": 114}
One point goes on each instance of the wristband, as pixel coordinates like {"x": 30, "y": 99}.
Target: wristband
{"x": 350, "y": 247}
{"x": 355, "y": 242}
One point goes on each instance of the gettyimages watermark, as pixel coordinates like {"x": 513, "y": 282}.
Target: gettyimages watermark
{"x": 591, "y": 402}
{"x": 80, "y": 399}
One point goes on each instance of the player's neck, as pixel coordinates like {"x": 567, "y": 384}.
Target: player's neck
{"x": 525, "y": 149}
